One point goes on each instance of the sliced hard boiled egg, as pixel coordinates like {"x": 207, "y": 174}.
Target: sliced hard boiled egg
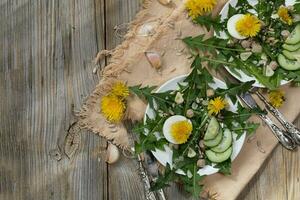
{"x": 177, "y": 129}
{"x": 231, "y": 26}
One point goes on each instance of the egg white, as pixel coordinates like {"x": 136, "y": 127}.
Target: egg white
{"x": 167, "y": 126}
{"x": 231, "y": 26}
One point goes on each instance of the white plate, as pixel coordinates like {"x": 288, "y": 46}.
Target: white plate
{"x": 244, "y": 77}
{"x": 165, "y": 157}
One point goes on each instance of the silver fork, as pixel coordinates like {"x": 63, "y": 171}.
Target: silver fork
{"x": 291, "y": 128}
{"x": 152, "y": 163}
{"x": 150, "y": 195}
{"x": 283, "y": 137}
{"x": 145, "y": 177}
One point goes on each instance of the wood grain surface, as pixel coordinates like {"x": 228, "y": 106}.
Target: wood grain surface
{"x": 46, "y": 52}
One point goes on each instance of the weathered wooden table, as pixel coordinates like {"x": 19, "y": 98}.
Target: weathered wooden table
{"x": 46, "y": 52}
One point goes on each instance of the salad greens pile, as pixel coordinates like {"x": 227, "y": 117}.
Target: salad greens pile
{"x": 255, "y": 56}
{"x": 195, "y": 97}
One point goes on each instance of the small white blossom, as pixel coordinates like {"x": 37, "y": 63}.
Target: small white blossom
{"x": 274, "y": 16}
{"x": 189, "y": 174}
{"x": 179, "y": 98}
{"x": 205, "y": 102}
{"x": 245, "y": 55}
{"x": 194, "y": 106}
{"x": 191, "y": 153}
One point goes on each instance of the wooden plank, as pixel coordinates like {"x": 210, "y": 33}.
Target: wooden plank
{"x": 269, "y": 178}
{"x": 278, "y": 179}
{"x": 176, "y": 192}
{"x": 124, "y": 181}
{"x": 292, "y": 171}
{"x": 46, "y": 52}
{"x": 118, "y": 12}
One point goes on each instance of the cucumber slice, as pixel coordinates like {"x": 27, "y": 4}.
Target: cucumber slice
{"x": 225, "y": 143}
{"x": 218, "y": 157}
{"x": 268, "y": 71}
{"x": 294, "y": 37}
{"x": 212, "y": 129}
{"x": 291, "y": 47}
{"x": 292, "y": 55}
{"x": 287, "y": 63}
{"x": 214, "y": 142}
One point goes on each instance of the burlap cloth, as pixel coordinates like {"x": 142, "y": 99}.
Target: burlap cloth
{"x": 128, "y": 63}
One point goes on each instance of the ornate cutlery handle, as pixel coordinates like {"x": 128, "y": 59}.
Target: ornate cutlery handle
{"x": 291, "y": 128}
{"x": 161, "y": 194}
{"x": 153, "y": 175}
{"x": 146, "y": 181}
{"x": 285, "y": 139}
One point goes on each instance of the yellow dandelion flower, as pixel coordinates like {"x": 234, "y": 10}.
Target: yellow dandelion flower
{"x": 276, "y": 98}
{"x": 112, "y": 108}
{"x": 120, "y": 90}
{"x": 248, "y": 26}
{"x": 216, "y": 105}
{"x": 284, "y": 15}
{"x": 199, "y": 7}
{"x": 181, "y": 131}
